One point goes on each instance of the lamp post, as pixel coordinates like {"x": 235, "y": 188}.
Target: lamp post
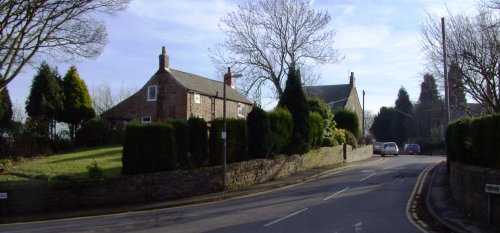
{"x": 227, "y": 76}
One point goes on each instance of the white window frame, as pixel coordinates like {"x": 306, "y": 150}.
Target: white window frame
{"x": 197, "y": 98}
{"x": 241, "y": 110}
{"x": 146, "y": 120}
{"x": 149, "y": 92}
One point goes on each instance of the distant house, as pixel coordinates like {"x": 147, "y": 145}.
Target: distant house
{"x": 174, "y": 94}
{"x": 341, "y": 96}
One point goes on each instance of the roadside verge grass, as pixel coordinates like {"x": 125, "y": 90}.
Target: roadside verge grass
{"x": 68, "y": 166}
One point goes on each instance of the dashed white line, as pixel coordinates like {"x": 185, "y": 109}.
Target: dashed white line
{"x": 288, "y": 216}
{"x": 335, "y": 194}
{"x": 368, "y": 176}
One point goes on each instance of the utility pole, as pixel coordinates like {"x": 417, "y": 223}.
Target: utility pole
{"x": 363, "y": 112}
{"x": 445, "y": 67}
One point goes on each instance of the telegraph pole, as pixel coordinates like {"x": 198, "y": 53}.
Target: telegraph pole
{"x": 445, "y": 67}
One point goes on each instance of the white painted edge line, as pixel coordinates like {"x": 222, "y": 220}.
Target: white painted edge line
{"x": 368, "y": 176}
{"x": 335, "y": 194}
{"x": 288, "y": 216}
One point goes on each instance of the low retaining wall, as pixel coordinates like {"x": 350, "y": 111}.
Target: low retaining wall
{"x": 467, "y": 184}
{"x": 31, "y": 197}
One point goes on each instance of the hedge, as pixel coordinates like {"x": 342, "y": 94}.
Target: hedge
{"x": 259, "y": 133}
{"x": 474, "y": 141}
{"x": 93, "y": 133}
{"x": 316, "y": 129}
{"x": 198, "y": 141}
{"x": 281, "y": 124}
{"x": 182, "y": 143}
{"x": 236, "y": 141}
{"x": 149, "y": 148}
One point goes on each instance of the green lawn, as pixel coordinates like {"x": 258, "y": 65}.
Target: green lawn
{"x": 71, "y": 165}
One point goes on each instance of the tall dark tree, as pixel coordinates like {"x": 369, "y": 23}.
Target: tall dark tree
{"x": 401, "y": 120}
{"x": 259, "y": 133}
{"x": 294, "y": 100}
{"x": 380, "y": 125}
{"x": 44, "y": 103}
{"x": 5, "y": 109}
{"x": 429, "y": 110}
{"x": 77, "y": 103}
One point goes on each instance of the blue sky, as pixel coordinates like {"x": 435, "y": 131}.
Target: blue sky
{"x": 379, "y": 38}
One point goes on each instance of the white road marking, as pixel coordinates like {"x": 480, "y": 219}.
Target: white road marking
{"x": 358, "y": 227}
{"x": 368, "y": 176}
{"x": 288, "y": 216}
{"x": 387, "y": 168}
{"x": 335, "y": 194}
{"x": 397, "y": 180}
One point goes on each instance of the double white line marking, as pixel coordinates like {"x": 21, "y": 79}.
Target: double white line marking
{"x": 335, "y": 194}
{"x": 288, "y": 216}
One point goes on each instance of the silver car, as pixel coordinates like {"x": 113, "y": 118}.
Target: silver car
{"x": 389, "y": 148}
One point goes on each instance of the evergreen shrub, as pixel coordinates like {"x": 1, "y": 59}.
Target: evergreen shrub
{"x": 149, "y": 148}
{"x": 259, "y": 133}
{"x": 198, "y": 141}
{"x": 281, "y": 124}
{"x": 236, "y": 141}
{"x": 316, "y": 129}
{"x": 182, "y": 142}
{"x": 93, "y": 133}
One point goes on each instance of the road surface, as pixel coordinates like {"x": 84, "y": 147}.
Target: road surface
{"x": 365, "y": 199}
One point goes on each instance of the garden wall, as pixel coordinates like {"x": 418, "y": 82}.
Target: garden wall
{"x": 32, "y": 197}
{"x": 467, "y": 184}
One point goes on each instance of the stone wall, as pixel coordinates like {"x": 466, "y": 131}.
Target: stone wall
{"x": 31, "y": 197}
{"x": 467, "y": 184}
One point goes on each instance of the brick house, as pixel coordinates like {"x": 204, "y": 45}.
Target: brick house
{"x": 174, "y": 94}
{"x": 341, "y": 96}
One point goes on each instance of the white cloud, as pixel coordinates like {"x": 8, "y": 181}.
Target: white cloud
{"x": 362, "y": 36}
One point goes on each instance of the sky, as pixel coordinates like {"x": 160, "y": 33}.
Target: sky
{"x": 380, "y": 40}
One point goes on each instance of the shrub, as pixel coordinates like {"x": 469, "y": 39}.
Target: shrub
{"x": 281, "y": 125}
{"x": 182, "y": 140}
{"x": 149, "y": 148}
{"x": 92, "y": 133}
{"x": 236, "y": 141}
{"x": 198, "y": 139}
{"x": 351, "y": 139}
{"x": 316, "y": 129}
{"x": 339, "y": 136}
{"x": 348, "y": 120}
{"x": 94, "y": 171}
{"x": 330, "y": 141}
{"x": 458, "y": 140}
{"x": 259, "y": 133}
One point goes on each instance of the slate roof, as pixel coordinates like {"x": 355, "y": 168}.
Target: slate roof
{"x": 335, "y": 95}
{"x": 207, "y": 86}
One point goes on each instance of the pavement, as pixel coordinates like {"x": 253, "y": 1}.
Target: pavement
{"x": 438, "y": 201}
{"x": 440, "y": 205}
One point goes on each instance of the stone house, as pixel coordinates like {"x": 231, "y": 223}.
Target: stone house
{"x": 341, "y": 96}
{"x": 174, "y": 94}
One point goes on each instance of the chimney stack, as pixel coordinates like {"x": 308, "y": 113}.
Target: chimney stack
{"x": 352, "y": 79}
{"x": 229, "y": 80}
{"x": 164, "y": 59}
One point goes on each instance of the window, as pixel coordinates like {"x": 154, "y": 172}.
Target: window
{"x": 146, "y": 120}
{"x": 152, "y": 93}
{"x": 197, "y": 98}
{"x": 241, "y": 110}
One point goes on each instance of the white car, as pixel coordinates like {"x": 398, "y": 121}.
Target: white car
{"x": 389, "y": 148}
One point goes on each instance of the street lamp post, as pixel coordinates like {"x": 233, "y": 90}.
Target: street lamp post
{"x": 227, "y": 76}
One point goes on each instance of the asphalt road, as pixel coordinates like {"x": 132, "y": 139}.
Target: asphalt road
{"x": 366, "y": 199}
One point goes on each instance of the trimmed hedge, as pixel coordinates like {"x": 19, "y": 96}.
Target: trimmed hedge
{"x": 316, "y": 129}
{"x": 475, "y": 141}
{"x": 198, "y": 140}
{"x": 259, "y": 133}
{"x": 348, "y": 120}
{"x": 182, "y": 140}
{"x": 93, "y": 133}
{"x": 149, "y": 148}
{"x": 281, "y": 124}
{"x": 236, "y": 141}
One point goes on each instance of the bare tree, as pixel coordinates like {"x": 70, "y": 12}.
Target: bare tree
{"x": 472, "y": 43}
{"x": 61, "y": 29}
{"x": 104, "y": 99}
{"x": 263, "y": 37}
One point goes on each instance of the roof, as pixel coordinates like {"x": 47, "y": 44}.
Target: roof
{"x": 207, "y": 86}
{"x": 334, "y": 95}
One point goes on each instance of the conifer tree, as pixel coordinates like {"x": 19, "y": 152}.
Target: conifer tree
{"x": 44, "y": 102}
{"x": 294, "y": 100}
{"x": 77, "y": 102}
{"x": 401, "y": 120}
{"x": 5, "y": 109}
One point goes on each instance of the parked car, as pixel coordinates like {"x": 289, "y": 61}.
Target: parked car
{"x": 377, "y": 147}
{"x": 389, "y": 148}
{"x": 412, "y": 149}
